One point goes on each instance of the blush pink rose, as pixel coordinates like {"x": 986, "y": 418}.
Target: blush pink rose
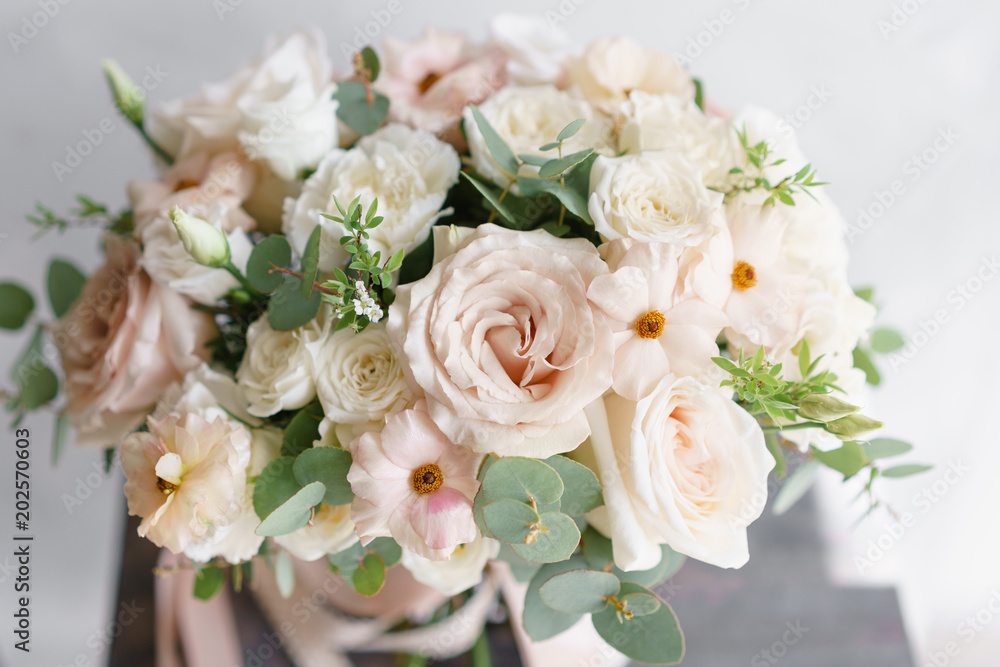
{"x": 430, "y": 80}
{"x": 502, "y": 339}
{"x": 125, "y": 340}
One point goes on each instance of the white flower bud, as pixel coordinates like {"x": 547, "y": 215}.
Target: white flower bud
{"x": 204, "y": 242}
{"x": 129, "y": 98}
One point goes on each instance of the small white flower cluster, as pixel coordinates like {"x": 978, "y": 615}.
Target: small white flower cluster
{"x": 364, "y": 304}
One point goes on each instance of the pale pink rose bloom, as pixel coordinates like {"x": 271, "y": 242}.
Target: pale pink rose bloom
{"x": 125, "y": 340}
{"x": 186, "y": 477}
{"x": 198, "y": 184}
{"x": 658, "y": 331}
{"x": 503, "y": 342}
{"x": 611, "y": 68}
{"x": 413, "y": 484}
{"x": 765, "y": 306}
{"x": 430, "y": 80}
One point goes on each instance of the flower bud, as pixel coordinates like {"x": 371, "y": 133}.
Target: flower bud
{"x": 129, "y": 98}
{"x": 825, "y": 407}
{"x": 204, "y": 242}
{"x": 852, "y": 426}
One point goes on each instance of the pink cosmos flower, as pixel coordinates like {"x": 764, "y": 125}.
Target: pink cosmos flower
{"x": 432, "y": 79}
{"x": 413, "y": 484}
{"x": 659, "y": 329}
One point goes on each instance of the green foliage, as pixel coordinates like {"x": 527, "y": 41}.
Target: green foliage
{"x": 16, "y": 306}
{"x": 905, "y": 470}
{"x": 498, "y": 148}
{"x": 284, "y": 574}
{"x": 511, "y": 521}
{"x": 652, "y": 638}
{"x": 310, "y": 262}
{"x": 751, "y": 176}
{"x": 580, "y": 591}
{"x": 272, "y": 252}
{"x": 796, "y": 486}
{"x": 369, "y": 577}
{"x": 496, "y": 201}
{"x": 883, "y": 448}
{"x": 37, "y": 383}
{"x": 557, "y": 166}
{"x": 208, "y": 582}
{"x": 275, "y": 485}
{"x": 364, "y": 568}
{"x": 540, "y": 621}
{"x": 294, "y": 513}
{"x": 360, "y": 107}
{"x": 848, "y": 459}
{"x": 328, "y": 465}
{"x": 886, "y": 340}
{"x": 523, "y": 570}
{"x": 64, "y": 282}
{"x": 302, "y": 431}
{"x": 864, "y": 361}
{"x": 522, "y": 479}
{"x": 582, "y": 491}
{"x": 287, "y": 309}
{"x": 60, "y": 431}
{"x": 87, "y": 212}
{"x": 699, "y": 93}
{"x": 555, "y": 540}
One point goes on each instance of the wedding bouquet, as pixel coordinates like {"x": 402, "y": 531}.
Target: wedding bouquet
{"x": 466, "y": 304}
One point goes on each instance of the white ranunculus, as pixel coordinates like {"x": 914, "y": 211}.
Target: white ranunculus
{"x": 460, "y": 572}
{"x": 279, "y": 109}
{"x": 409, "y": 171}
{"x": 331, "y": 530}
{"x": 668, "y": 123}
{"x": 529, "y": 117}
{"x": 359, "y": 378}
{"x": 536, "y": 51}
{"x": 168, "y": 263}
{"x": 276, "y": 372}
{"x": 651, "y": 197}
{"x": 685, "y": 467}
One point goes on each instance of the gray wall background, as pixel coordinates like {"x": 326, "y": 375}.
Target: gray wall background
{"x": 893, "y": 75}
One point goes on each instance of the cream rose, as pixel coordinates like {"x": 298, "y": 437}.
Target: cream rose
{"x": 359, "y": 378}
{"x": 463, "y": 570}
{"x": 536, "y": 51}
{"x": 503, "y": 341}
{"x": 530, "y": 117}
{"x": 409, "y": 171}
{"x": 685, "y": 467}
{"x": 611, "y": 68}
{"x": 125, "y": 340}
{"x": 331, "y": 530}
{"x": 651, "y": 197}
{"x": 276, "y": 372}
{"x": 278, "y": 109}
{"x": 668, "y": 123}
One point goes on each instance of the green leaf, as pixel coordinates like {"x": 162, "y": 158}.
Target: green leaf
{"x": 59, "y": 432}
{"x": 294, "y": 513}
{"x": 774, "y": 447}
{"x": 302, "y": 431}
{"x": 579, "y": 591}
{"x": 864, "y": 362}
{"x": 209, "y": 581}
{"x": 387, "y": 548}
{"x": 730, "y": 367}
{"x": 353, "y": 108}
{"x": 501, "y": 152}
{"x": 654, "y": 639}
{"x": 571, "y": 129}
{"x": 396, "y": 260}
{"x": 65, "y": 282}
{"x": 540, "y": 621}
{"x": 287, "y": 309}
{"x": 16, "y": 304}
{"x": 641, "y": 604}
{"x": 557, "y": 544}
{"x": 328, "y": 465}
{"x": 559, "y": 165}
{"x": 522, "y": 569}
{"x": 847, "y": 459}
{"x": 883, "y": 448}
{"x": 574, "y": 201}
{"x": 885, "y": 341}
{"x": 509, "y": 520}
{"x": 522, "y": 479}
{"x": 796, "y": 486}
{"x": 481, "y": 654}
{"x": 699, "y": 93}
{"x": 39, "y": 388}
{"x": 346, "y": 561}
{"x": 284, "y": 574}
{"x": 804, "y": 358}
{"x": 596, "y": 549}
{"x": 533, "y": 160}
{"x": 551, "y": 146}
{"x": 866, "y": 293}
{"x": 906, "y": 470}
{"x": 670, "y": 563}
{"x": 494, "y": 201}
{"x": 369, "y": 578}
{"x": 370, "y": 61}
{"x": 310, "y": 262}
{"x": 275, "y": 485}
{"x": 582, "y": 491}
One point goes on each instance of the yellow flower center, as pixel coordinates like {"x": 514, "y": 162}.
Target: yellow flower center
{"x": 427, "y": 478}
{"x": 650, "y": 325}
{"x": 428, "y": 82}
{"x": 744, "y": 276}
{"x": 165, "y": 486}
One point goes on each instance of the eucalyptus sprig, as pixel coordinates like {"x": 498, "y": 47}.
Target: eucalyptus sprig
{"x": 363, "y": 298}
{"x": 751, "y": 175}
{"x": 88, "y": 212}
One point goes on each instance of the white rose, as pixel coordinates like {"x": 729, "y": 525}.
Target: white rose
{"x": 279, "y": 109}
{"x": 651, "y": 197}
{"x": 685, "y": 467}
{"x": 530, "y": 117}
{"x": 359, "y": 378}
{"x": 331, "y": 530}
{"x": 276, "y": 372}
{"x": 611, "y": 68}
{"x": 668, "y": 123}
{"x": 535, "y": 50}
{"x": 168, "y": 263}
{"x": 409, "y": 171}
{"x": 463, "y": 570}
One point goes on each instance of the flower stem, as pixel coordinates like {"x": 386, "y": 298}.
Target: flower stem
{"x": 236, "y": 273}
{"x": 793, "y": 427}
{"x": 164, "y": 155}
